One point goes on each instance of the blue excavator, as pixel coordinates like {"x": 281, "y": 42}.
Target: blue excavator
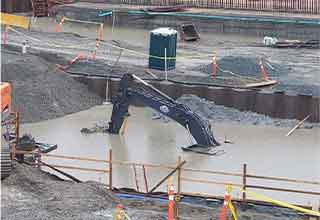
{"x": 130, "y": 92}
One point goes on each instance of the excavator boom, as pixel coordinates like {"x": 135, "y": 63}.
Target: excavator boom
{"x": 128, "y": 93}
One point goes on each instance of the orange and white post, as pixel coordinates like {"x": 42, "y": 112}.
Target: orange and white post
{"x": 228, "y": 204}
{"x": 214, "y": 68}
{"x": 59, "y": 27}
{"x": 171, "y": 203}
{"x": 263, "y": 71}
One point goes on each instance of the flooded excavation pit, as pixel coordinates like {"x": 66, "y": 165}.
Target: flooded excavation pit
{"x": 249, "y": 123}
{"x": 266, "y": 102}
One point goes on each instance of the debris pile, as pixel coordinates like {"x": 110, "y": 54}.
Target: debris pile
{"x": 40, "y": 90}
{"x": 220, "y": 113}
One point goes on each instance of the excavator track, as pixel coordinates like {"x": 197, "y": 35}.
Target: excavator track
{"x": 6, "y": 162}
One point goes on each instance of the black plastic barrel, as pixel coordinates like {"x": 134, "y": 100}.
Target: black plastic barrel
{"x": 161, "y": 39}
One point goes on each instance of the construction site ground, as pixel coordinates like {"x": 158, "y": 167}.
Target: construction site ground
{"x": 31, "y": 194}
{"x": 47, "y": 97}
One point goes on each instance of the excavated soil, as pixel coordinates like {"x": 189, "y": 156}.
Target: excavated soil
{"x": 40, "y": 90}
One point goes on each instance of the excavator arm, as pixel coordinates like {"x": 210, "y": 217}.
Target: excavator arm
{"x": 128, "y": 93}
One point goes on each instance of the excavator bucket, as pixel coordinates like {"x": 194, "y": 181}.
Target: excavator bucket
{"x": 201, "y": 149}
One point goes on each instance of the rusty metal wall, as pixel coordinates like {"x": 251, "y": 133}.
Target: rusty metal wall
{"x": 14, "y": 6}
{"x": 273, "y": 104}
{"x": 291, "y": 6}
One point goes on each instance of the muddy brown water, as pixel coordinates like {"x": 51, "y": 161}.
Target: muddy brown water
{"x": 266, "y": 150}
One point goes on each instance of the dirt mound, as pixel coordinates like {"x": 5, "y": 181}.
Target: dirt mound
{"x": 40, "y": 90}
{"x": 29, "y": 193}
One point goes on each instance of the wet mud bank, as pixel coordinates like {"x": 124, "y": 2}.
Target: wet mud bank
{"x": 271, "y": 103}
{"x": 210, "y": 23}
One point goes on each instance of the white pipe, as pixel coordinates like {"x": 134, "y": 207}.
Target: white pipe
{"x": 113, "y": 20}
{"x": 165, "y": 63}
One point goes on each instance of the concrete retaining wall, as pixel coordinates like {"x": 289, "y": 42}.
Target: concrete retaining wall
{"x": 237, "y": 26}
{"x": 273, "y": 104}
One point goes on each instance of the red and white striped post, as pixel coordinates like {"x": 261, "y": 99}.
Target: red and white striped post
{"x": 94, "y": 53}
{"x": 214, "y": 67}
{"x": 171, "y": 203}
{"x": 263, "y": 71}
{"x": 59, "y": 26}
{"x": 224, "y": 210}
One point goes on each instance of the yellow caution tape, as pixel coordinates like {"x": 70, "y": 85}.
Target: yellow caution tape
{"x": 233, "y": 211}
{"x": 230, "y": 205}
{"x": 81, "y": 21}
{"x": 15, "y": 20}
{"x": 280, "y": 203}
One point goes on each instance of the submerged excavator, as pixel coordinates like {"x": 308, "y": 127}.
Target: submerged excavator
{"x": 130, "y": 92}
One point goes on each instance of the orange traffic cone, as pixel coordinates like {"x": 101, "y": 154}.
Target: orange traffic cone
{"x": 171, "y": 203}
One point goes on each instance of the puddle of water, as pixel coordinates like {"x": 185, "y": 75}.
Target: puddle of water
{"x": 266, "y": 150}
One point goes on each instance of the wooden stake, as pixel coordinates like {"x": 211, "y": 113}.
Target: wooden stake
{"x": 179, "y": 177}
{"x": 178, "y": 196}
{"x": 145, "y": 178}
{"x": 166, "y": 177}
{"x": 244, "y": 182}
{"x": 110, "y": 169}
{"x": 150, "y": 73}
{"x": 135, "y": 177}
{"x": 298, "y": 125}
{"x": 124, "y": 126}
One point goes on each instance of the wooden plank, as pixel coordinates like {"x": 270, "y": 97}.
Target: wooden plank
{"x": 78, "y": 168}
{"x": 283, "y": 179}
{"x": 15, "y": 20}
{"x": 209, "y": 182}
{"x": 261, "y": 84}
{"x": 212, "y": 172}
{"x": 61, "y": 172}
{"x": 166, "y": 177}
{"x": 283, "y": 190}
{"x": 298, "y": 125}
{"x": 74, "y": 158}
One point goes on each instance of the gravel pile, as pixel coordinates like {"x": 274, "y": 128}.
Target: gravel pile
{"x": 31, "y": 194}
{"x": 246, "y": 66}
{"x": 220, "y": 113}
{"x": 40, "y": 90}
